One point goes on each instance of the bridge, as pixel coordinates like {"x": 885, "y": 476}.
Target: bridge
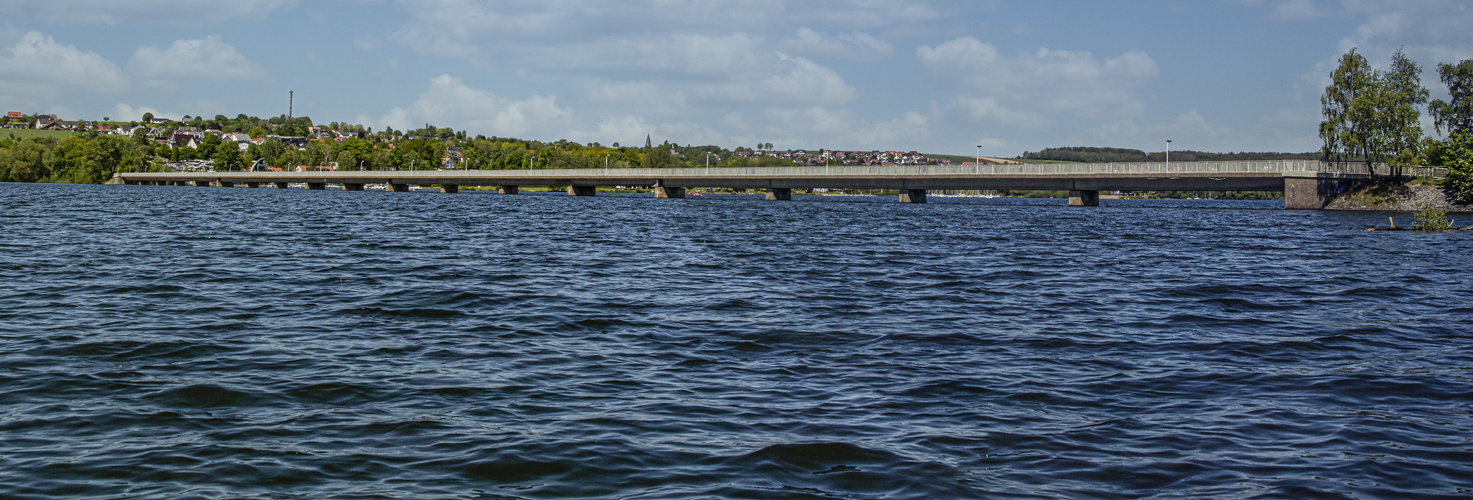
{"x": 1306, "y": 184}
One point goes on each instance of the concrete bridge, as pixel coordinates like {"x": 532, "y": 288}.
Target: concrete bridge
{"x": 1307, "y": 185}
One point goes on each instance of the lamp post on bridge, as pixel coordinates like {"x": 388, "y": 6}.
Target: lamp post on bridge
{"x": 1168, "y": 155}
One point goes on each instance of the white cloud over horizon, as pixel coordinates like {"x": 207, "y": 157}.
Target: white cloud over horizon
{"x": 935, "y": 75}
{"x": 209, "y": 59}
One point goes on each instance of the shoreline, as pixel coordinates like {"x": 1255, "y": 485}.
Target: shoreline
{"x": 1396, "y": 198}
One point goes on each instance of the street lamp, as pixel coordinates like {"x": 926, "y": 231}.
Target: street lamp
{"x": 1168, "y": 155}
{"x": 977, "y": 162}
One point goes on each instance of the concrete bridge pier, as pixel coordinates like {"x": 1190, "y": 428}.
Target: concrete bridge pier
{"x": 912, "y": 196}
{"x": 395, "y": 187}
{"x": 317, "y": 185}
{"x": 779, "y": 194}
{"x": 279, "y": 185}
{"x": 200, "y": 183}
{"x": 449, "y": 188}
{"x": 224, "y": 184}
{"x": 582, "y": 190}
{"x": 352, "y": 187}
{"x": 669, "y": 192}
{"x": 508, "y": 189}
{"x": 253, "y": 185}
{"x": 1084, "y": 198}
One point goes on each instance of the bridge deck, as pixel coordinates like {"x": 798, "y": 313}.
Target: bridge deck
{"x": 1281, "y": 175}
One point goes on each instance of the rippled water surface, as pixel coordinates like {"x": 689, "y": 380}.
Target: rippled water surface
{"x": 173, "y": 342}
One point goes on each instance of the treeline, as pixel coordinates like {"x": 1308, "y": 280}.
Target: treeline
{"x": 87, "y": 158}
{"x": 1115, "y": 155}
{"x": 289, "y": 143}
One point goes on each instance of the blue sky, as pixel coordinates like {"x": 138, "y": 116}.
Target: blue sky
{"x": 934, "y": 76}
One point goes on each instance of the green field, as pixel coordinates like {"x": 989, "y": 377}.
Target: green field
{"x": 1047, "y": 161}
{"x": 26, "y": 133}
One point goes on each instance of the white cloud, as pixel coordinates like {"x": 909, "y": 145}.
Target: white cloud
{"x": 134, "y": 11}
{"x": 1297, "y": 10}
{"x": 1428, "y": 32}
{"x": 789, "y": 80}
{"x": 450, "y": 102}
{"x": 39, "y": 66}
{"x": 124, "y": 112}
{"x": 856, "y": 45}
{"x": 209, "y": 59}
{"x": 1028, "y": 87}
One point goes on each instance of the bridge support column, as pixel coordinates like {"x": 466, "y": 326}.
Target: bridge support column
{"x": 316, "y": 185}
{"x": 1084, "y": 198}
{"x": 396, "y": 188}
{"x": 253, "y": 184}
{"x": 582, "y": 190}
{"x": 224, "y": 184}
{"x": 279, "y": 185}
{"x": 1313, "y": 193}
{"x": 200, "y": 183}
{"x": 449, "y": 188}
{"x": 912, "y": 196}
{"x": 352, "y": 187}
{"x": 669, "y": 192}
{"x": 508, "y": 189}
{"x": 779, "y": 194}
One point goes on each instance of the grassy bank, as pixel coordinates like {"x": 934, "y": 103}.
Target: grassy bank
{"x": 22, "y": 134}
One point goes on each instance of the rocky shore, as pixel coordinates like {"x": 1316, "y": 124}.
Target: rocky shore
{"x": 1396, "y": 198}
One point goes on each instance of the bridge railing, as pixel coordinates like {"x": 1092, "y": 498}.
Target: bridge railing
{"x": 1204, "y": 167}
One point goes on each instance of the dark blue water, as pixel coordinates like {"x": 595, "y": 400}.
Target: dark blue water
{"x": 172, "y": 342}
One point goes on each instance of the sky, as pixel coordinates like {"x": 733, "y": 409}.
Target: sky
{"x": 934, "y": 76}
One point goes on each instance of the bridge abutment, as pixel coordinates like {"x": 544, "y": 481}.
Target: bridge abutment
{"x": 449, "y": 188}
{"x": 1084, "y": 198}
{"x": 1314, "y": 193}
{"x": 396, "y": 187}
{"x": 352, "y": 187}
{"x": 582, "y": 190}
{"x": 912, "y": 196}
{"x": 779, "y": 194}
{"x": 508, "y": 189}
{"x": 316, "y": 186}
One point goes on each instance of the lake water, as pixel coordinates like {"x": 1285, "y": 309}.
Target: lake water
{"x": 172, "y": 342}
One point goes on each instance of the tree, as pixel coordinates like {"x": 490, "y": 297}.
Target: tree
{"x": 1373, "y": 115}
{"x": 360, "y": 150}
{"x": 147, "y": 117}
{"x": 1399, "y": 118}
{"x": 1458, "y": 156}
{"x": 1458, "y": 114}
{"x": 657, "y": 157}
{"x": 207, "y": 145}
{"x": 257, "y": 132}
{"x": 227, "y": 156}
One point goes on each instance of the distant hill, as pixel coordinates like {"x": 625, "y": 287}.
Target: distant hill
{"x": 969, "y": 159}
{"x": 1107, "y": 155}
